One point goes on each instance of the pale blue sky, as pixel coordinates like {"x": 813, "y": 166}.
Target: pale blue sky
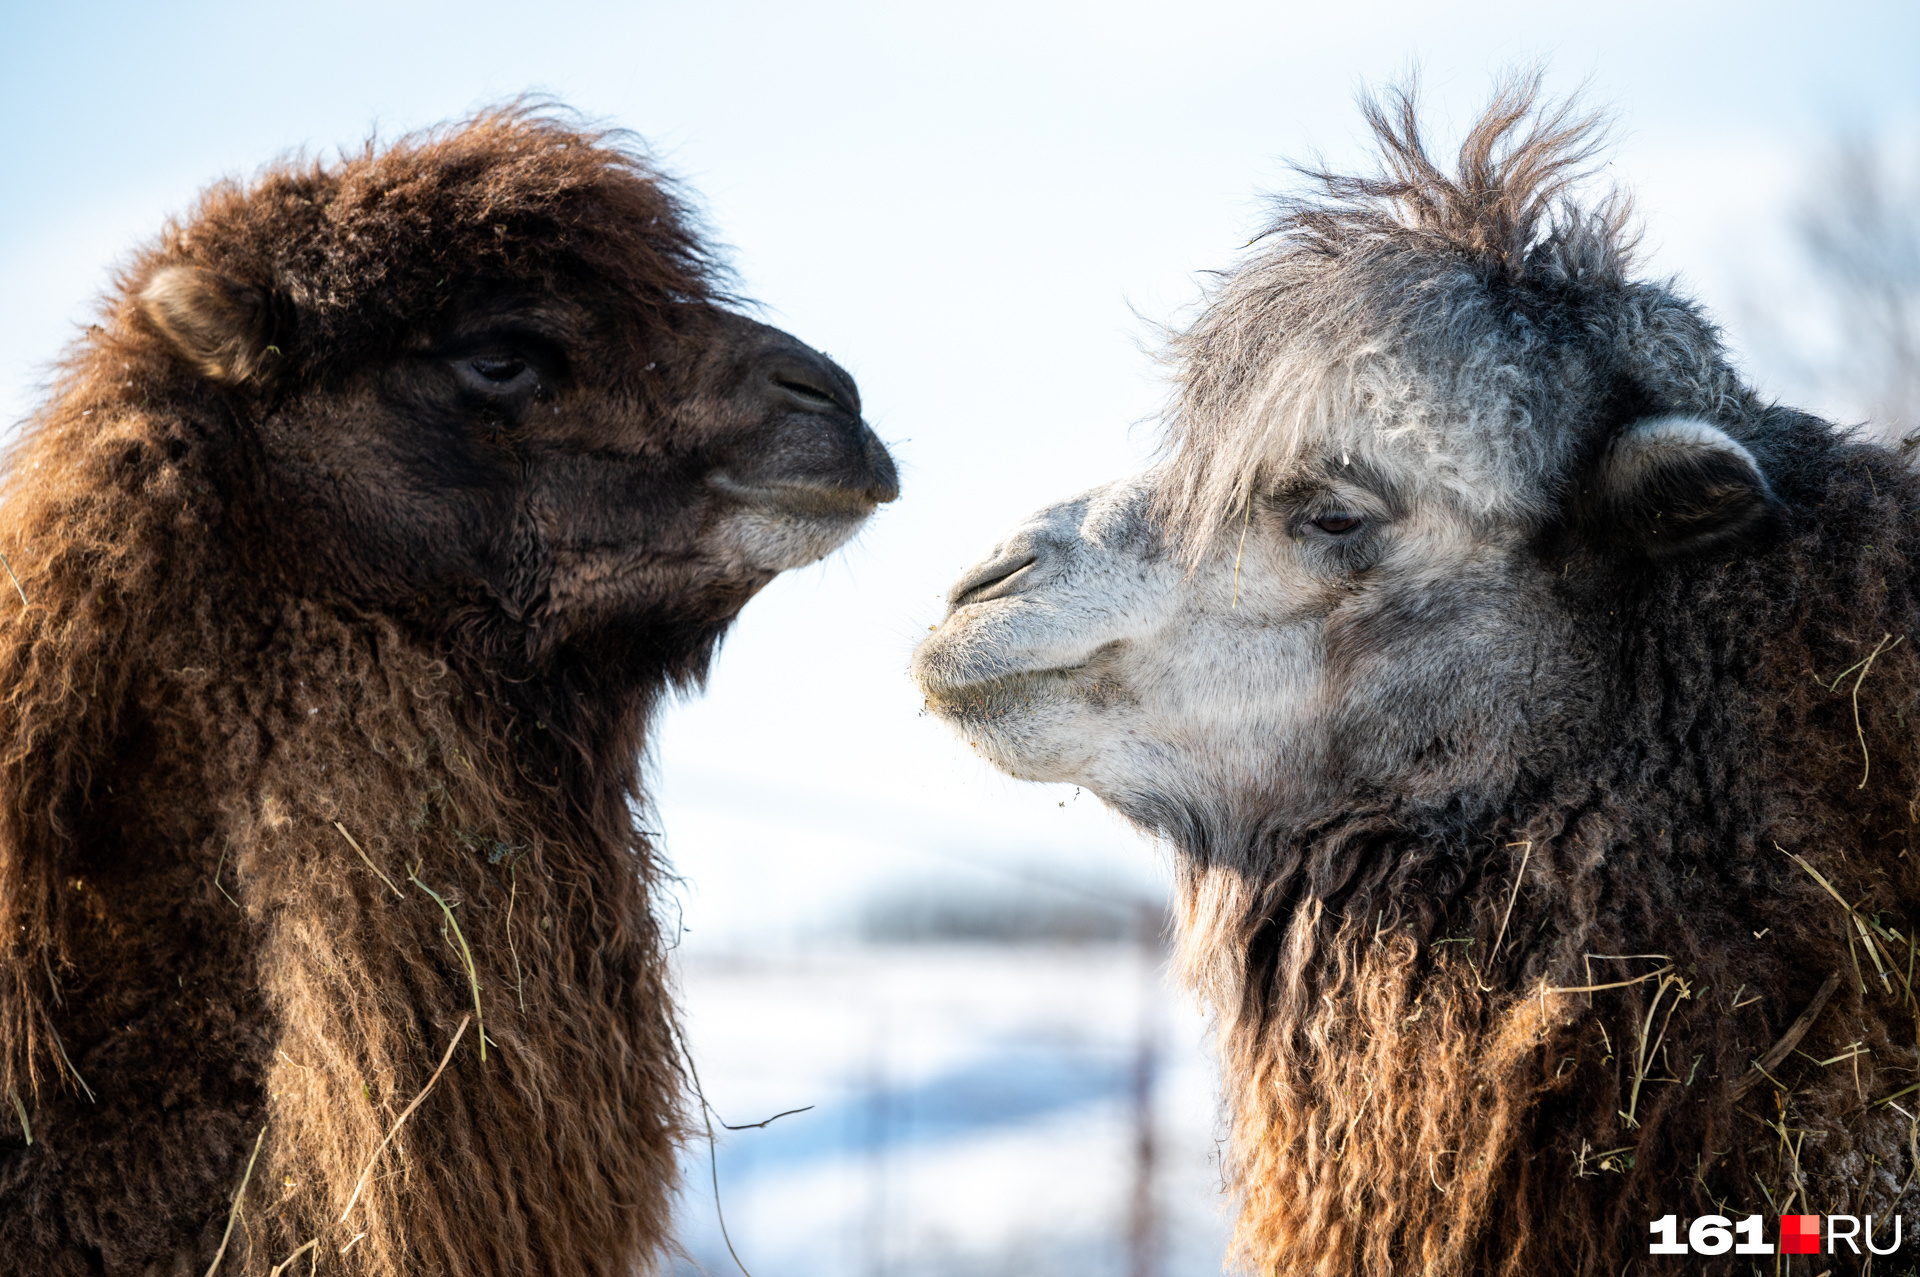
{"x": 979, "y": 209}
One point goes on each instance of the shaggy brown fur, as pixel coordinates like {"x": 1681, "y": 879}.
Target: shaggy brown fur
{"x": 1502, "y": 1033}
{"x": 1402, "y": 1105}
{"x": 311, "y": 636}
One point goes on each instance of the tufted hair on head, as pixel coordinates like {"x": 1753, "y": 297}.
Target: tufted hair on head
{"x": 363, "y": 251}
{"x": 1472, "y": 329}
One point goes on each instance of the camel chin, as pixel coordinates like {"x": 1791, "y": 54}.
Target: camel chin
{"x": 779, "y": 530}
{"x": 812, "y": 481}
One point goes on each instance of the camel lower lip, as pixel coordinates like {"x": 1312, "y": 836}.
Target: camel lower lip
{"x": 980, "y": 694}
{"x": 814, "y": 500}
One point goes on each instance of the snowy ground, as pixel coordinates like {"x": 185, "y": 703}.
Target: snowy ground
{"x": 974, "y": 1112}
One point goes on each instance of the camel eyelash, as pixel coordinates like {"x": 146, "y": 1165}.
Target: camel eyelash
{"x": 1338, "y": 523}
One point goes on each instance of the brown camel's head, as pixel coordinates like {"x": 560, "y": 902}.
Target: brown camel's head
{"x": 349, "y": 558}
{"x": 483, "y": 380}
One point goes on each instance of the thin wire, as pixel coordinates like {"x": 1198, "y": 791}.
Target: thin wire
{"x": 713, "y": 1157}
{"x": 1038, "y": 879}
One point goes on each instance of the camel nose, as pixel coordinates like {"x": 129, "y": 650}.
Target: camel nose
{"x": 821, "y": 437}
{"x": 810, "y": 381}
{"x": 1007, "y": 573}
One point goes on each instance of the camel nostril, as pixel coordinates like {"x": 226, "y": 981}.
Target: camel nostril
{"x": 805, "y": 379}
{"x": 994, "y": 581}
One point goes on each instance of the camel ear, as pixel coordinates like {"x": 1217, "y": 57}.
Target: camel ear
{"x": 1674, "y": 487}
{"x": 224, "y": 328}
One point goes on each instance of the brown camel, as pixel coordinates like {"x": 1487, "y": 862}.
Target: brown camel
{"x": 1532, "y": 708}
{"x": 347, "y": 563}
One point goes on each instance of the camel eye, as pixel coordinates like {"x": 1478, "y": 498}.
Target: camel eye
{"x": 1337, "y": 524}
{"x": 500, "y": 370}
{"x": 497, "y": 375}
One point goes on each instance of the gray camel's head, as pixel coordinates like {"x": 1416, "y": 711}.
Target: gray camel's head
{"x": 1395, "y": 426}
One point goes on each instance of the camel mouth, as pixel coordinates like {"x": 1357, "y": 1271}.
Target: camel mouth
{"x": 800, "y": 499}
{"x": 999, "y": 696}
{"x": 957, "y": 687}
{"x": 995, "y": 581}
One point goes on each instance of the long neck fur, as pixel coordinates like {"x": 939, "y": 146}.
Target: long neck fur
{"x": 1413, "y": 1086}
{"x": 228, "y": 812}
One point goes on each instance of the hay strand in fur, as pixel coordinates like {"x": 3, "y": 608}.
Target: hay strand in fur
{"x": 1244, "y": 525}
{"x": 1764, "y": 1066}
{"x": 218, "y": 866}
{"x": 1596, "y": 988}
{"x": 1865, "y": 667}
{"x": 1881, "y": 967}
{"x": 519, "y": 980}
{"x": 1519, "y": 876}
{"x": 310, "y": 1244}
{"x": 764, "y": 1124}
{"x": 405, "y": 1113}
{"x": 21, "y": 590}
{"x": 61, "y": 1049}
{"x": 466, "y": 955}
{"x": 239, "y": 1195}
{"x": 1643, "y": 1053}
{"x": 364, "y": 856}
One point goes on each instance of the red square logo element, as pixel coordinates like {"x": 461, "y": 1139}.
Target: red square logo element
{"x": 1799, "y": 1234}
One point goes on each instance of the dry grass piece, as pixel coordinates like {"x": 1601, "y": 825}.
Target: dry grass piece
{"x": 393, "y": 1130}
{"x": 1764, "y": 1066}
{"x": 519, "y": 981}
{"x": 1865, "y": 928}
{"x": 1864, "y": 667}
{"x": 16, "y": 580}
{"x": 239, "y": 1195}
{"x": 1518, "y": 877}
{"x": 363, "y": 855}
{"x": 1616, "y": 984}
{"x": 26, "y": 1128}
{"x": 311, "y": 1244}
{"x": 72, "y": 1072}
{"x": 466, "y": 954}
{"x": 218, "y": 866}
{"x": 1644, "y": 1052}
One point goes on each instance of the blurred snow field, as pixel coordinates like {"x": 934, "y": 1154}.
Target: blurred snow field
{"x": 1031, "y": 1098}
